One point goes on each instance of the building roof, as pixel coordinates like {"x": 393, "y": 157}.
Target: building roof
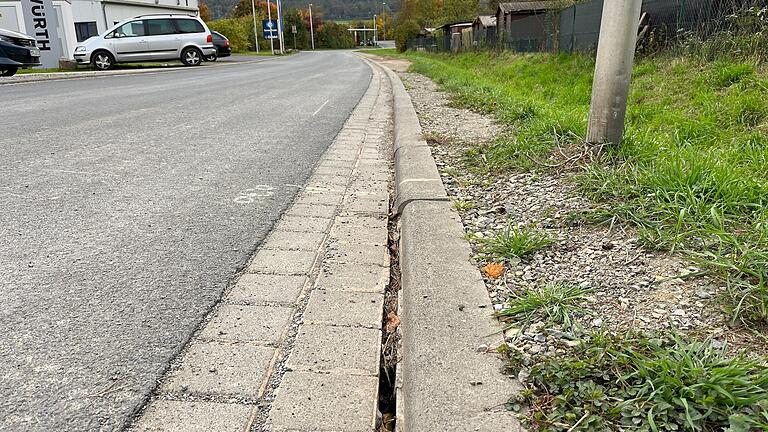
{"x": 528, "y": 6}
{"x": 456, "y": 24}
{"x": 486, "y": 20}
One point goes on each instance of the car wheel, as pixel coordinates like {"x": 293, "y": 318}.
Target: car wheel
{"x": 9, "y": 72}
{"x": 211, "y": 58}
{"x": 191, "y": 57}
{"x": 103, "y": 60}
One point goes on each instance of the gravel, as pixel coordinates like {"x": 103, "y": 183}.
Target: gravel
{"x": 631, "y": 287}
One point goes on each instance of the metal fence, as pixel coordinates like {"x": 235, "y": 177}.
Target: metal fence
{"x": 577, "y": 28}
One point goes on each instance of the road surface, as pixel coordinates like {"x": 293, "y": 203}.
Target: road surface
{"x": 127, "y": 204}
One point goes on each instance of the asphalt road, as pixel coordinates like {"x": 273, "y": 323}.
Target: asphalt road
{"x": 126, "y": 206}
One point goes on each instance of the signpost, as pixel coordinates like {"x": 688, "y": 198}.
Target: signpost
{"x": 294, "y": 31}
{"x": 270, "y": 29}
{"x": 40, "y": 22}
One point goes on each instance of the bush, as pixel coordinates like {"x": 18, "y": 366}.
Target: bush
{"x": 334, "y": 36}
{"x": 405, "y": 31}
{"x": 239, "y": 31}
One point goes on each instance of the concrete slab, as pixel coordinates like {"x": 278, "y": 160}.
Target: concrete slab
{"x": 446, "y": 314}
{"x": 352, "y": 277}
{"x": 308, "y": 401}
{"x": 260, "y": 288}
{"x": 304, "y": 224}
{"x": 312, "y": 210}
{"x": 282, "y": 262}
{"x": 183, "y": 416}
{"x": 294, "y": 240}
{"x": 355, "y": 233}
{"x": 235, "y": 323}
{"x": 344, "y": 308}
{"x": 222, "y": 369}
{"x": 328, "y": 199}
{"x": 322, "y": 348}
{"x": 358, "y": 254}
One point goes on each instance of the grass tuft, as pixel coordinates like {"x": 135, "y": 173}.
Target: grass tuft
{"x": 555, "y": 303}
{"x": 647, "y": 383}
{"x": 513, "y": 242}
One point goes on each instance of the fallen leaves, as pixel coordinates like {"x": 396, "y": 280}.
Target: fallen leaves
{"x": 493, "y": 270}
{"x": 393, "y": 321}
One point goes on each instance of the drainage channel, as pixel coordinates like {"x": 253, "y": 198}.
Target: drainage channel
{"x": 390, "y": 334}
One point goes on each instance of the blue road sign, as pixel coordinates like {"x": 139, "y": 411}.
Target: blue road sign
{"x": 270, "y": 29}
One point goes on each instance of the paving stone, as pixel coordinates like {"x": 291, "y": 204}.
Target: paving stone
{"x": 354, "y": 253}
{"x": 364, "y": 205}
{"x": 344, "y": 308}
{"x": 328, "y": 199}
{"x": 308, "y": 401}
{"x": 257, "y": 287}
{"x": 352, "y": 277}
{"x": 329, "y": 180}
{"x": 323, "y": 348}
{"x": 236, "y": 323}
{"x": 178, "y": 416}
{"x": 294, "y": 239}
{"x": 332, "y": 171}
{"x": 222, "y": 369}
{"x": 329, "y": 163}
{"x": 312, "y": 210}
{"x": 304, "y": 224}
{"x": 282, "y": 262}
{"x": 358, "y": 232}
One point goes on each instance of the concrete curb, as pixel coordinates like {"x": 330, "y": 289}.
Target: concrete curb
{"x": 449, "y": 378}
{"x": 60, "y": 76}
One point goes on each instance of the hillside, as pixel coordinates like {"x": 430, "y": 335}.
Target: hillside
{"x": 331, "y": 9}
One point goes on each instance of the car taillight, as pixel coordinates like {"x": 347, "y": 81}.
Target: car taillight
{"x": 210, "y": 39}
{"x": 226, "y": 43}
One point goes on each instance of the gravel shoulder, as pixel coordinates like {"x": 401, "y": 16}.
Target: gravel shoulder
{"x": 632, "y": 288}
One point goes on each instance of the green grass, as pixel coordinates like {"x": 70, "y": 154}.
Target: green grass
{"x": 646, "y": 383}
{"x": 690, "y": 174}
{"x": 513, "y": 242}
{"x": 555, "y": 303}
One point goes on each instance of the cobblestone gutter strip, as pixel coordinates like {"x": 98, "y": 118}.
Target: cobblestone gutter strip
{"x": 449, "y": 377}
{"x": 295, "y": 344}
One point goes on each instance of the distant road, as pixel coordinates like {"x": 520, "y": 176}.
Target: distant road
{"x": 126, "y": 205}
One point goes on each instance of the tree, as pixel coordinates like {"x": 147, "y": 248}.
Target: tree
{"x": 205, "y": 13}
{"x": 458, "y": 10}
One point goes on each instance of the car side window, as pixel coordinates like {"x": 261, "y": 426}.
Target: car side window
{"x": 189, "y": 26}
{"x": 158, "y": 27}
{"x": 131, "y": 29}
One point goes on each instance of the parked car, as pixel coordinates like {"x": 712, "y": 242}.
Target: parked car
{"x": 17, "y": 50}
{"x": 149, "y": 38}
{"x": 223, "y": 49}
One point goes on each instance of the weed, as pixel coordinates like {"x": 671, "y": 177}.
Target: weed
{"x": 555, "y": 303}
{"x": 648, "y": 383}
{"x": 463, "y": 205}
{"x": 513, "y": 242}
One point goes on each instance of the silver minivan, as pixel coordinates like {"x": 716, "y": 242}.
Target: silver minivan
{"x": 149, "y": 38}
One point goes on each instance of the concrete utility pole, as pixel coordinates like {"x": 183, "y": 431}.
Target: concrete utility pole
{"x": 255, "y": 29}
{"x": 271, "y": 33}
{"x": 613, "y": 70}
{"x": 311, "y": 27}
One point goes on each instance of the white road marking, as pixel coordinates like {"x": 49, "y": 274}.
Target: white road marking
{"x": 321, "y": 107}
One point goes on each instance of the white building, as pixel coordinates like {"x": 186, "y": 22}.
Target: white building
{"x": 81, "y": 19}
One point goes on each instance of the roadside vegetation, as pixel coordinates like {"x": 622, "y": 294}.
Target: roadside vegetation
{"x": 689, "y": 179}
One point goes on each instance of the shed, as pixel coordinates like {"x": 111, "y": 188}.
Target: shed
{"x": 484, "y": 30}
{"x": 451, "y": 39}
{"x": 522, "y": 25}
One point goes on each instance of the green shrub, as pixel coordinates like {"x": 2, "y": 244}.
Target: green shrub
{"x": 239, "y": 31}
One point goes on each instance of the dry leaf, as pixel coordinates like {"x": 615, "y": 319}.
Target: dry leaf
{"x": 392, "y": 322}
{"x": 493, "y": 270}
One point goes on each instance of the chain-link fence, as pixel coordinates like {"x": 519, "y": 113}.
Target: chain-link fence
{"x": 576, "y": 28}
